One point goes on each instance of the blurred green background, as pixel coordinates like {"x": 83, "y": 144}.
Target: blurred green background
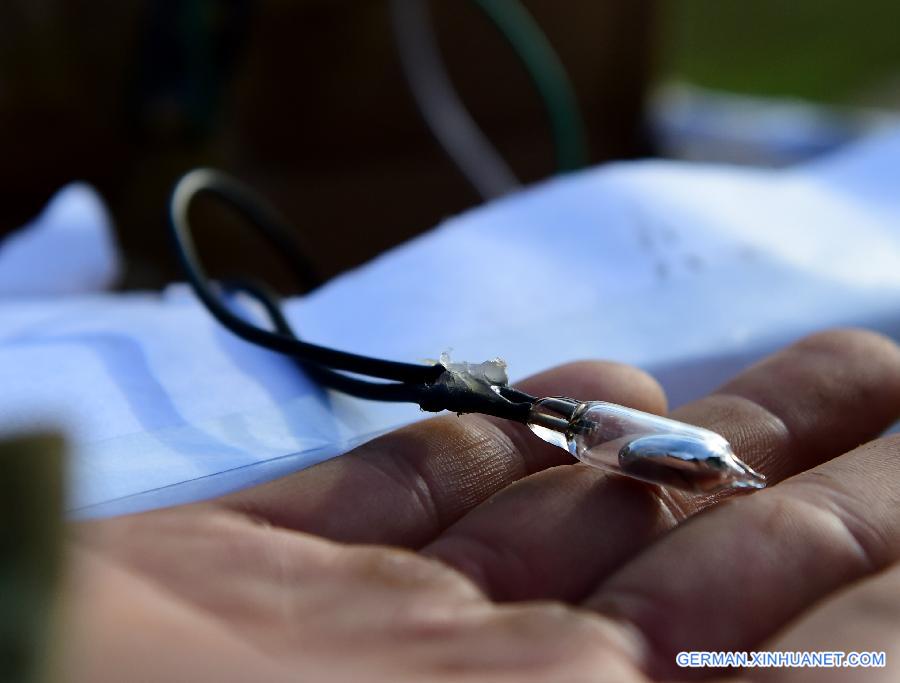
{"x": 826, "y": 50}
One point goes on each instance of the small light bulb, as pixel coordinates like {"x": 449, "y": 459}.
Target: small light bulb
{"x": 641, "y": 445}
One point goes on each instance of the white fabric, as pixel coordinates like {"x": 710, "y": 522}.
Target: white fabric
{"x": 691, "y": 271}
{"x": 68, "y": 249}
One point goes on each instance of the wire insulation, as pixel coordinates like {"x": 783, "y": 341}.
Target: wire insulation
{"x": 203, "y": 180}
{"x": 434, "y": 387}
{"x": 374, "y": 391}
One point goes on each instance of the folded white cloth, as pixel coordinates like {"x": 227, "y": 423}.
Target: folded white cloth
{"x": 691, "y": 271}
{"x": 68, "y": 249}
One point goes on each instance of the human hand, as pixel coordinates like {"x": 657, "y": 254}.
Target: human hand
{"x": 465, "y": 549}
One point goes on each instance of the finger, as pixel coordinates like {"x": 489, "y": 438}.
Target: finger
{"x": 551, "y": 534}
{"x": 865, "y": 618}
{"x": 407, "y": 486}
{"x": 817, "y": 399}
{"x": 557, "y": 533}
{"x": 740, "y": 571}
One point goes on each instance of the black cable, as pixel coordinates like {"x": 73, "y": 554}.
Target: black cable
{"x": 244, "y": 201}
{"x": 514, "y": 404}
{"x": 270, "y": 222}
{"x": 433, "y": 387}
{"x": 373, "y": 391}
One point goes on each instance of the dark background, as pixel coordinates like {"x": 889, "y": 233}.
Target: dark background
{"x": 305, "y": 100}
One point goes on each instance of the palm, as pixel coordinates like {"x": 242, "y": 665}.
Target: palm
{"x": 545, "y": 572}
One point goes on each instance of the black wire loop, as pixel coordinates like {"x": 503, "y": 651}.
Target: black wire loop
{"x": 242, "y": 199}
{"x": 411, "y": 382}
{"x": 375, "y": 391}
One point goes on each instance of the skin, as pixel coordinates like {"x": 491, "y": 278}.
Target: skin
{"x": 463, "y": 549}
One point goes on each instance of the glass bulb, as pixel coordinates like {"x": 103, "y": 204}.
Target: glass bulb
{"x": 642, "y": 445}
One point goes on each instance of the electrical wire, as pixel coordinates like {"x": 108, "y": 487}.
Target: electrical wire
{"x": 273, "y": 226}
{"x": 375, "y": 391}
{"x": 656, "y": 449}
{"x": 242, "y": 199}
{"x": 434, "y": 387}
